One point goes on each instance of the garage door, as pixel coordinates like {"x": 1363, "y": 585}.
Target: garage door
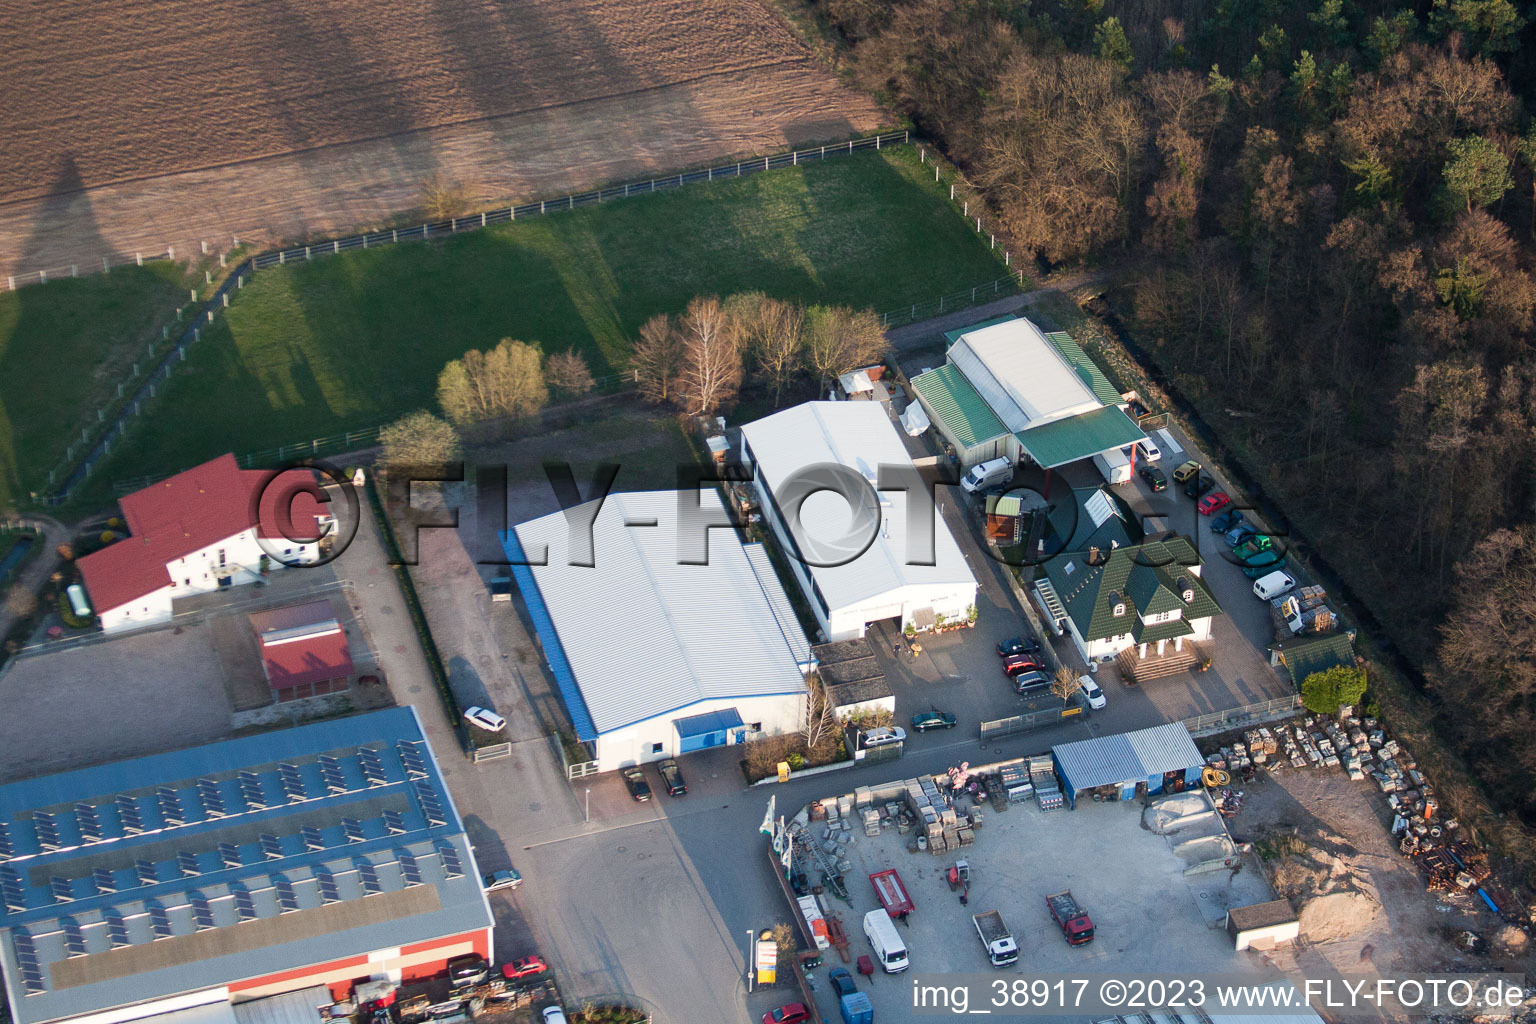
{"x": 708, "y": 730}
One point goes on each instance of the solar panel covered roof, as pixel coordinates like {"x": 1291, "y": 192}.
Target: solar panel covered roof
{"x": 141, "y": 885}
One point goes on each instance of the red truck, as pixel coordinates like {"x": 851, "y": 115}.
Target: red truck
{"x": 891, "y": 893}
{"x": 1076, "y": 925}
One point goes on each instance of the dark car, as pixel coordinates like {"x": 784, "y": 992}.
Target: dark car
{"x": 1240, "y": 533}
{"x": 1019, "y": 663}
{"x": 1153, "y": 476}
{"x": 1264, "y": 568}
{"x": 932, "y": 720}
{"x": 842, "y": 982}
{"x": 634, "y": 778}
{"x": 1031, "y": 681}
{"x": 1018, "y": 645}
{"x": 1198, "y": 485}
{"x": 1228, "y": 520}
{"x": 672, "y": 777}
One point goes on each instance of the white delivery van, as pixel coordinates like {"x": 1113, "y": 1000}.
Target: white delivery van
{"x": 1115, "y": 464}
{"x": 1267, "y": 588}
{"x": 985, "y": 474}
{"x": 890, "y": 951}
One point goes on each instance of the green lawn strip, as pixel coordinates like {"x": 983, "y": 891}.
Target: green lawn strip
{"x": 356, "y": 339}
{"x": 64, "y": 346}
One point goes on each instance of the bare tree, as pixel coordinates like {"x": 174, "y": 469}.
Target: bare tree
{"x": 20, "y": 601}
{"x": 711, "y": 369}
{"x": 567, "y": 374}
{"x": 820, "y": 714}
{"x": 506, "y": 381}
{"x": 419, "y": 440}
{"x": 772, "y": 333}
{"x": 657, "y": 358}
{"x": 441, "y": 200}
{"x": 1066, "y": 683}
{"x": 839, "y": 339}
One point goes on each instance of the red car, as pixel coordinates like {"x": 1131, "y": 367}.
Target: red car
{"x": 794, "y": 1013}
{"x": 1019, "y": 664}
{"x": 1213, "y": 503}
{"x": 525, "y": 967}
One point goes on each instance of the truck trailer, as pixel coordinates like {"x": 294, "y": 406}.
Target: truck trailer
{"x": 1002, "y": 950}
{"x": 1074, "y": 922}
{"x": 891, "y": 893}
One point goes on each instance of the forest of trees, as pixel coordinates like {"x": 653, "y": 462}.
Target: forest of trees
{"x": 1320, "y": 220}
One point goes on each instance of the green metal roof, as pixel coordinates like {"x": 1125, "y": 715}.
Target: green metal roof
{"x": 1077, "y": 437}
{"x": 1089, "y": 371}
{"x": 950, "y": 337}
{"x": 1141, "y": 573}
{"x": 1305, "y": 655}
{"x": 951, "y": 399}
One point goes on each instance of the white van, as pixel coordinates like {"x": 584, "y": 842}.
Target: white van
{"x": 985, "y": 474}
{"x": 1266, "y": 588}
{"x": 890, "y": 951}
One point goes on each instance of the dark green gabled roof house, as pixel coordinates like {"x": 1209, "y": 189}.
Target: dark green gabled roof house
{"x": 1147, "y": 596}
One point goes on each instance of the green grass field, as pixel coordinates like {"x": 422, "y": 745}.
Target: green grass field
{"x": 63, "y": 347}
{"x": 355, "y": 340}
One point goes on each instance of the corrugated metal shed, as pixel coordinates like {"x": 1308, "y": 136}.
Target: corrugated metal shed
{"x": 1126, "y": 757}
{"x": 965, "y": 415}
{"x": 639, "y": 634}
{"x": 1024, "y": 377}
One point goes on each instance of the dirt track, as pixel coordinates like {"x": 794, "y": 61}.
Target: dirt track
{"x": 266, "y": 120}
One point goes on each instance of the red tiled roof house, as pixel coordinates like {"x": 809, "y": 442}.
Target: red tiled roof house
{"x": 195, "y": 532}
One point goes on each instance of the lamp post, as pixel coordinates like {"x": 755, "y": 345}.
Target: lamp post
{"x": 751, "y": 957}
{"x": 586, "y": 815}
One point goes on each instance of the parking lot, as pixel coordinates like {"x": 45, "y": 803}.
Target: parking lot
{"x": 1123, "y": 876}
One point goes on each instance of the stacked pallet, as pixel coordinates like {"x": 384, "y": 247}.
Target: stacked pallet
{"x": 1042, "y": 775}
{"x": 1016, "y": 783}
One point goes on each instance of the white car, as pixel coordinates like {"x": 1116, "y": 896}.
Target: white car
{"x": 884, "y": 735}
{"x": 1093, "y": 693}
{"x": 554, "y": 1015}
{"x": 1149, "y": 451}
{"x": 485, "y": 719}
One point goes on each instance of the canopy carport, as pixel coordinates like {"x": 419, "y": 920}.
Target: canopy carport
{"x": 1128, "y": 761}
{"x": 711, "y": 729}
{"x": 1075, "y": 438}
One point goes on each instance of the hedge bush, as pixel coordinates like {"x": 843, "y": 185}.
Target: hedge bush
{"x": 1325, "y": 692}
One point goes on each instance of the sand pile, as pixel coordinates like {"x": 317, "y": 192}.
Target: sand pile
{"x": 1338, "y": 915}
{"x": 1510, "y": 939}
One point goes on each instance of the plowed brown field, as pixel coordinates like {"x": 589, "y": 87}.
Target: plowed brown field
{"x": 145, "y": 123}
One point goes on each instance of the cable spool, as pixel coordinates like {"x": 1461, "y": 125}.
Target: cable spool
{"x": 1213, "y": 777}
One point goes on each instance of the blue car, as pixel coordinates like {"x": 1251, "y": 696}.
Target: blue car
{"x": 1238, "y": 534}
{"x": 1231, "y": 519}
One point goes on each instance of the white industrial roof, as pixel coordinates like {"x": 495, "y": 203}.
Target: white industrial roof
{"x": 646, "y": 635}
{"x": 861, "y": 436}
{"x": 1021, "y": 375}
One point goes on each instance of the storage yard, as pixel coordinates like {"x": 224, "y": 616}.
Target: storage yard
{"x": 1352, "y": 835}
{"x": 1014, "y": 853}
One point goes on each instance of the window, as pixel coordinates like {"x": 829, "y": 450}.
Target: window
{"x": 221, "y": 556}
{"x": 657, "y": 748}
{"x": 756, "y": 727}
